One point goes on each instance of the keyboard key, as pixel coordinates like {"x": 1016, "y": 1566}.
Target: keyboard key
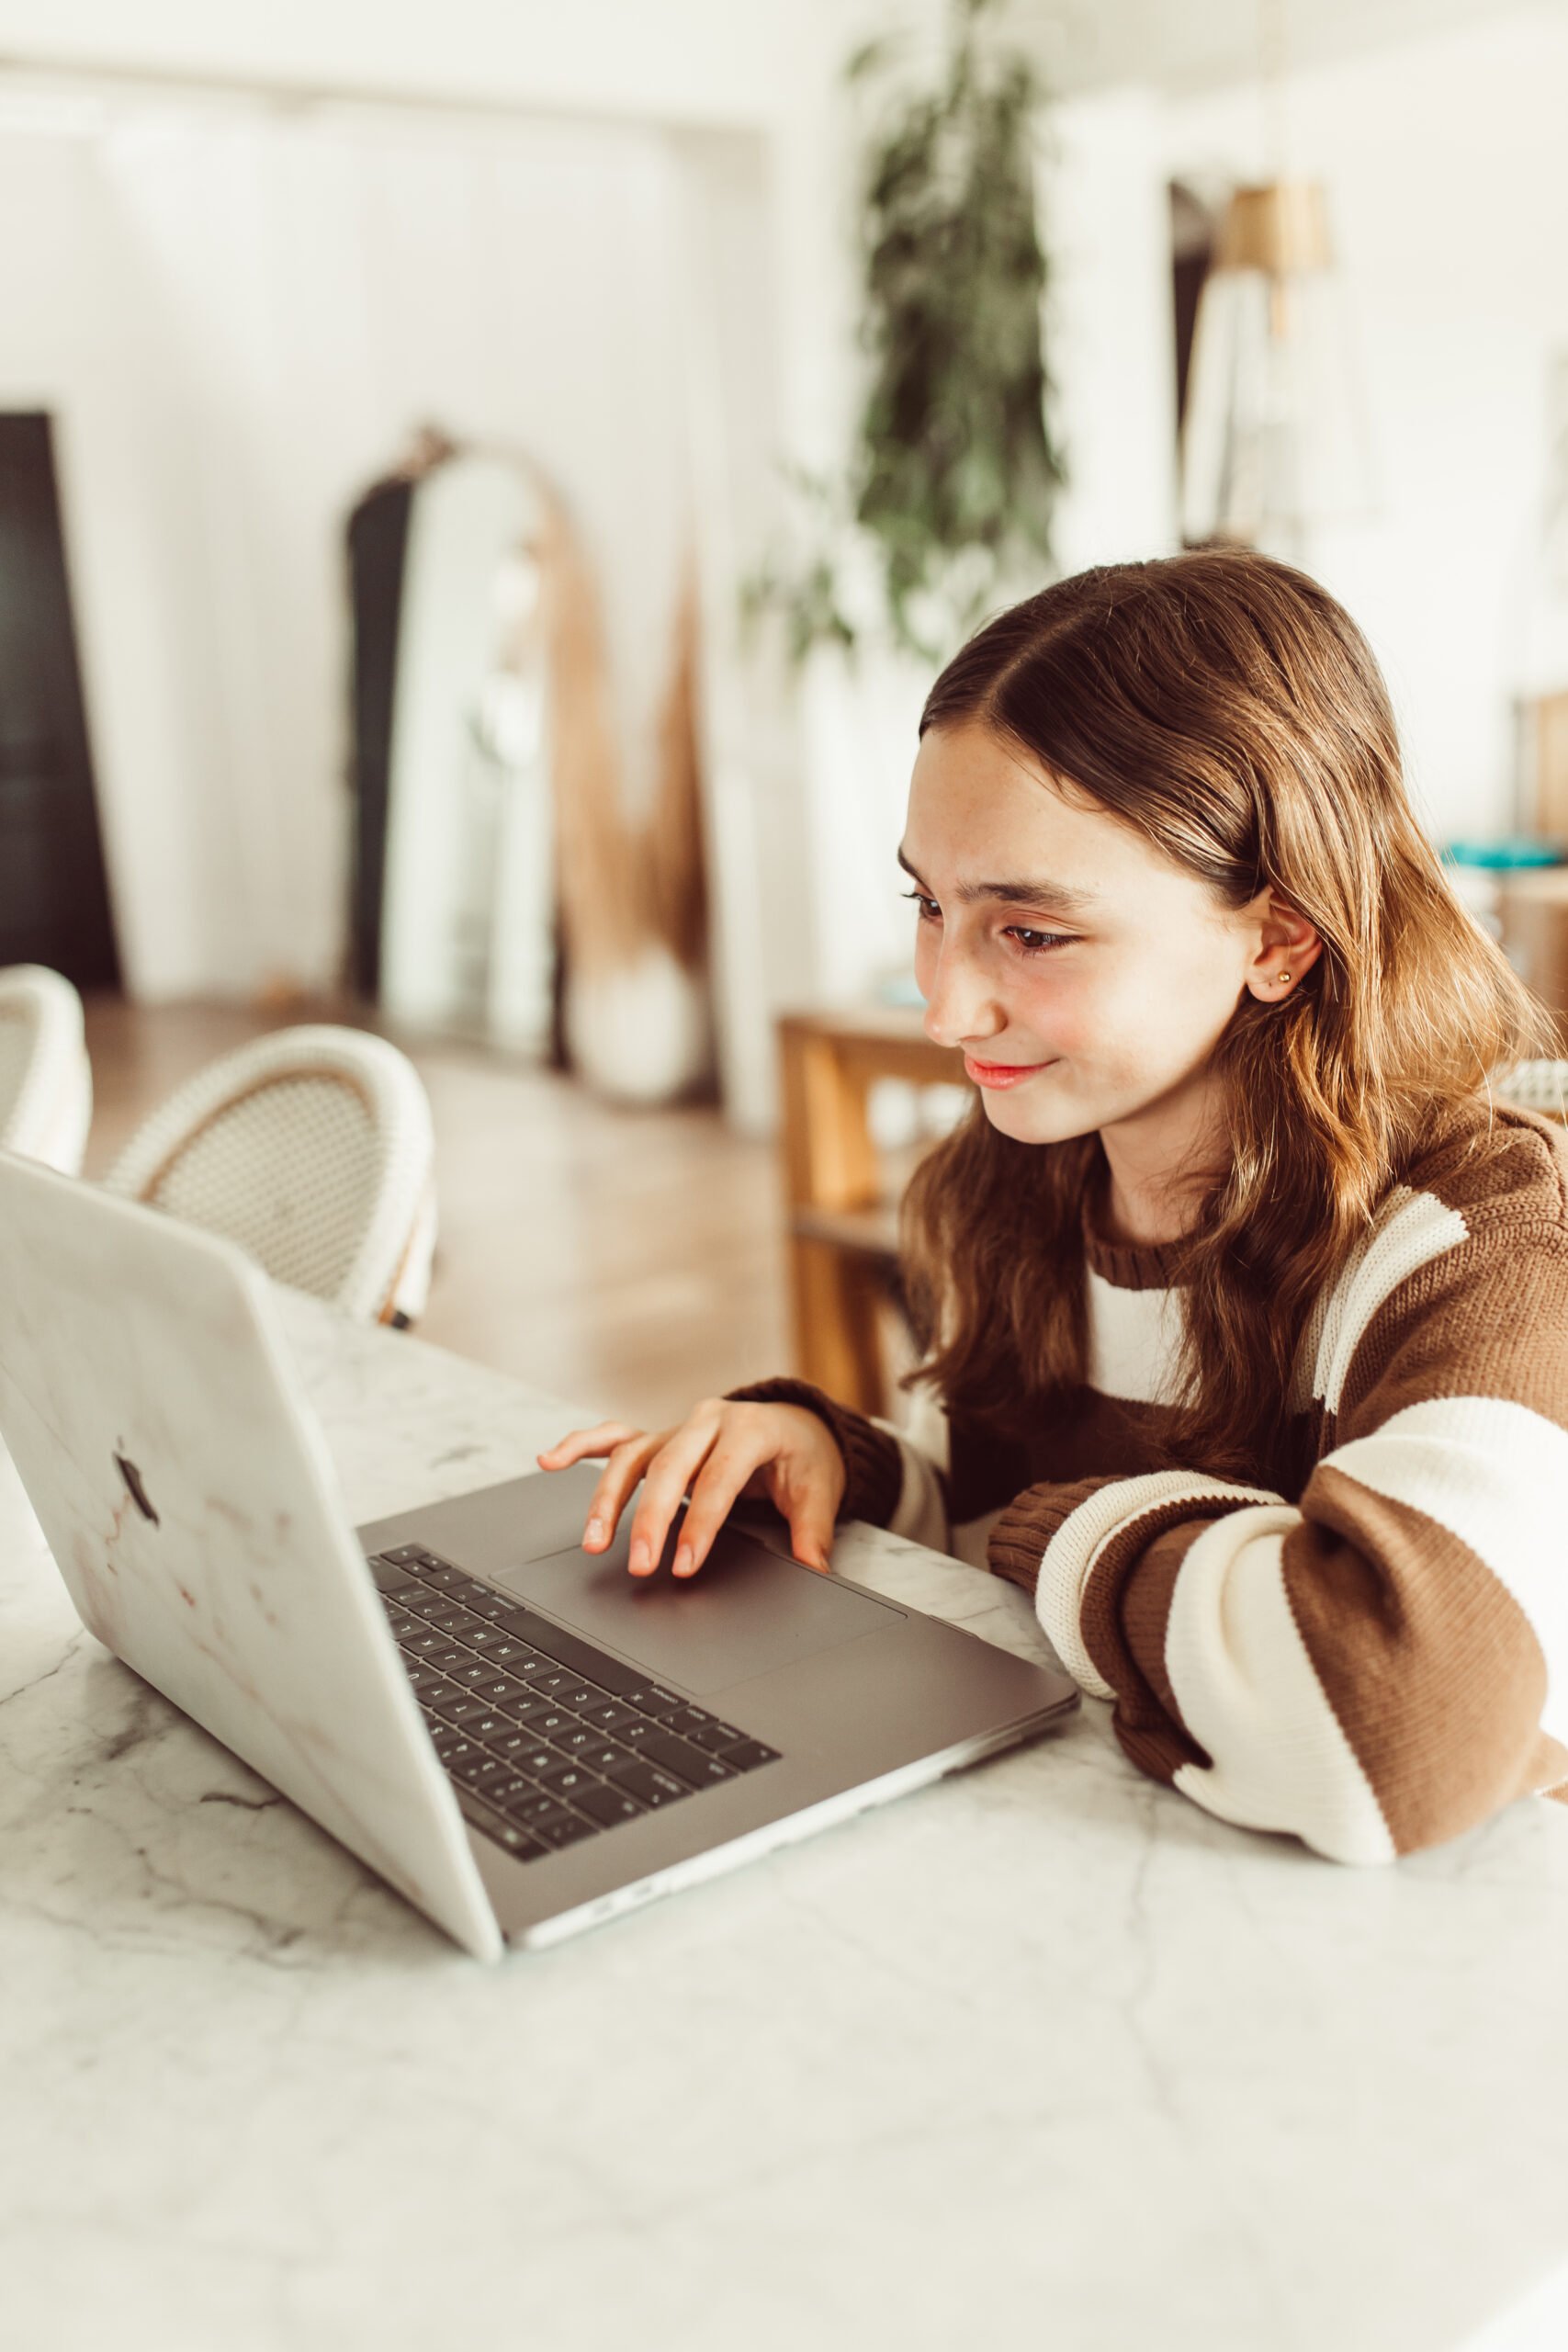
{"x": 561, "y": 1829}
{"x": 515, "y": 1841}
{"x": 531, "y": 1665}
{"x": 508, "y": 1651}
{"x": 441, "y": 1579}
{"x": 647, "y": 1782}
{"x": 544, "y": 1721}
{"x": 522, "y": 1800}
{"x": 444, "y": 1738}
{"x": 435, "y": 1687}
{"x": 390, "y": 1579}
{"x": 510, "y": 1740}
{"x": 424, "y": 1643}
{"x": 579, "y": 1739}
{"x": 401, "y": 1554}
{"x": 600, "y": 1758}
{"x": 556, "y": 1684}
{"x": 609, "y": 1805}
{"x": 715, "y": 1737}
{"x": 592, "y": 1665}
{"x": 459, "y": 1751}
{"x": 417, "y": 1596}
{"x": 581, "y": 1695}
{"x": 471, "y": 1671}
{"x": 689, "y": 1720}
{"x": 421, "y": 1678}
{"x": 486, "y": 1725}
{"x": 487, "y": 1604}
{"x": 458, "y": 1706}
{"x": 651, "y": 1698}
{"x": 471, "y": 1630}
{"x": 404, "y": 1627}
{"x": 566, "y": 1778}
{"x": 476, "y": 1770}
{"x": 678, "y": 1756}
{"x": 446, "y": 1653}
{"x": 610, "y": 1715}
{"x": 504, "y": 1689}
{"x": 748, "y": 1754}
{"x": 443, "y": 1615}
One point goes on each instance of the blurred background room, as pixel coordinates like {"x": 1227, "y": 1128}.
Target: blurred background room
{"x": 484, "y": 491}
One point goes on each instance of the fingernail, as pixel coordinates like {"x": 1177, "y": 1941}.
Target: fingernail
{"x": 684, "y": 1563}
{"x": 594, "y": 1532}
{"x": 639, "y": 1562}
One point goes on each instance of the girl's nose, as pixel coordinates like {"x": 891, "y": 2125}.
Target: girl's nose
{"x": 959, "y": 1011}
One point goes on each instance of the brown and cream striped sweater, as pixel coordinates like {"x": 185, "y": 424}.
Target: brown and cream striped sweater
{"x": 1369, "y": 1647}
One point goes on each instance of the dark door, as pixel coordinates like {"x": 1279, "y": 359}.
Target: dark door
{"x": 54, "y": 905}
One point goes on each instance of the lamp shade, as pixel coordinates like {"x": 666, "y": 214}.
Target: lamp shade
{"x": 1274, "y": 438}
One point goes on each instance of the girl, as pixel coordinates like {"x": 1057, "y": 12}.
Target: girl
{"x": 1245, "y": 1304}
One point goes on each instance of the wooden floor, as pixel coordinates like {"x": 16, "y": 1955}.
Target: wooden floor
{"x": 629, "y": 1260}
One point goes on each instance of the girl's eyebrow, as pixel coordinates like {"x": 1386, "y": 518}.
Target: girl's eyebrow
{"x": 1057, "y": 898}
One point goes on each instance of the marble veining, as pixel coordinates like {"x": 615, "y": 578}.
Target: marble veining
{"x": 1041, "y": 2052}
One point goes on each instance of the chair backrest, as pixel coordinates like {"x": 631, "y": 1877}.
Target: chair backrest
{"x": 1536, "y": 1086}
{"x": 46, "y": 1081}
{"x": 312, "y": 1149}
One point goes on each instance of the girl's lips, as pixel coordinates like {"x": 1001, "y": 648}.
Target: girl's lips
{"x": 1000, "y": 1074}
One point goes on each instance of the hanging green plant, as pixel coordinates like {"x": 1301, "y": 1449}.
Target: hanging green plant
{"x": 954, "y": 474}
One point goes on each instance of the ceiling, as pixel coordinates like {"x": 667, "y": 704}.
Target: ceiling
{"x": 1184, "y": 45}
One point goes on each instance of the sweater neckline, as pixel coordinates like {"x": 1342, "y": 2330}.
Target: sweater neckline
{"x": 1127, "y": 1265}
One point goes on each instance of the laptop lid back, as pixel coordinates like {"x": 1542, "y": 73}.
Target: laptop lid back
{"x": 151, "y": 1409}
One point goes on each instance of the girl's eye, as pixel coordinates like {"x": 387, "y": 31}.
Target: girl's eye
{"x": 1039, "y": 943}
{"x": 1030, "y": 943}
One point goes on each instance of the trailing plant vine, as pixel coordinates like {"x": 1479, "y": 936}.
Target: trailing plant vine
{"x": 954, "y": 472}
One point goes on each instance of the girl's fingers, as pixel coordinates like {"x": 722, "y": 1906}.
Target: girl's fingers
{"x": 668, "y": 1476}
{"x": 625, "y": 1467}
{"x": 577, "y": 1443}
{"x": 725, "y": 1476}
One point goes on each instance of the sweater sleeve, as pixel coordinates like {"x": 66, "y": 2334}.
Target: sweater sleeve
{"x": 893, "y": 1479}
{"x": 1383, "y": 1664}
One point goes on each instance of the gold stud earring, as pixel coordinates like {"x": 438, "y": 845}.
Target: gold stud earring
{"x": 1284, "y": 979}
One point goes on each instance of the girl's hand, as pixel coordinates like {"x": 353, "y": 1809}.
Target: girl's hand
{"x": 720, "y": 1451}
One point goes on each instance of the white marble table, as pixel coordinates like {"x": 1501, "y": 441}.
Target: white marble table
{"x": 1039, "y": 2056}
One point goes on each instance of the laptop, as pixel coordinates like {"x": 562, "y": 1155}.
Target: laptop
{"x": 519, "y": 1736}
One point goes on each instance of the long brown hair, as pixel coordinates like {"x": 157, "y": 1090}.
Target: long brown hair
{"x": 1229, "y": 711}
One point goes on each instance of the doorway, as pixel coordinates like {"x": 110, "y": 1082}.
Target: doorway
{"x": 54, "y": 906}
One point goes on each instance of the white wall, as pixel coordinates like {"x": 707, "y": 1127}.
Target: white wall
{"x": 1445, "y": 161}
{"x": 238, "y": 315}
{"x": 690, "y": 61}
{"x": 1442, "y": 157}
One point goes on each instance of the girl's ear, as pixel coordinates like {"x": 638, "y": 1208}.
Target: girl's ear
{"x": 1288, "y": 946}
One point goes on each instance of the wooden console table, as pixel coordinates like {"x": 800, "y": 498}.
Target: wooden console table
{"x": 842, "y": 1240}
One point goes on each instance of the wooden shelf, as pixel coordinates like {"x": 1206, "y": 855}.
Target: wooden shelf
{"x": 842, "y": 1235}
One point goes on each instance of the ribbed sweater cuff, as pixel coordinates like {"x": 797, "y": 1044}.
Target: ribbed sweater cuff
{"x": 873, "y": 1467}
{"x": 1017, "y": 1543}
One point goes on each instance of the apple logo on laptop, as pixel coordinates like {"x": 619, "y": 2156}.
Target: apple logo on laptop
{"x": 137, "y": 1492}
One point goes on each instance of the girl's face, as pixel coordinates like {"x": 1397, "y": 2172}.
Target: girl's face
{"x": 1087, "y": 978}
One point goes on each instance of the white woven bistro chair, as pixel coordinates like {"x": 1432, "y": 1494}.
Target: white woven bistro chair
{"x": 312, "y": 1149}
{"x": 46, "y": 1080}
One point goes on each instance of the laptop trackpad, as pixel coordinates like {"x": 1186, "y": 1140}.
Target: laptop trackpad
{"x": 744, "y": 1612}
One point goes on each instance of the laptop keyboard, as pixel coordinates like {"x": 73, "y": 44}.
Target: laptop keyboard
{"x": 547, "y": 1739}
